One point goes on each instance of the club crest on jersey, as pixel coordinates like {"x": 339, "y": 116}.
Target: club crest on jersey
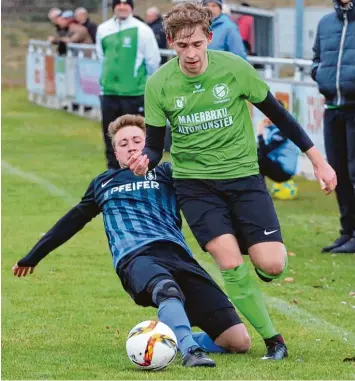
{"x": 151, "y": 175}
{"x": 180, "y": 102}
{"x": 127, "y": 42}
{"x": 220, "y": 90}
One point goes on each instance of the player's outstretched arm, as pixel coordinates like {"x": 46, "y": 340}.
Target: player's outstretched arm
{"x": 60, "y": 233}
{"x": 290, "y": 128}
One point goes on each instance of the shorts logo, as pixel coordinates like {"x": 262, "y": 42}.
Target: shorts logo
{"x": 180, "y": 102}
{"x": 270, "y": 232}
{"x": 151, "y": 175}
{"x": 220, "y": 91}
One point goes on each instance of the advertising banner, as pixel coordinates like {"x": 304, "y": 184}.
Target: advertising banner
{"x": 60, "y": 78}
{"x": 49, "y": 84}
{"x": 87, "y": 82}
{"x": 35, "y": 73}
{"x": 70, "y": 70}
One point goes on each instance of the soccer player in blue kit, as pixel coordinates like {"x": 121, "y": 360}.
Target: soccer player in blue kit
{"x": 143, "y": 227}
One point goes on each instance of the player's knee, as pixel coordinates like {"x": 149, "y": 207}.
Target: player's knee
{"x": 240, "y": 345}
{"x": 166, "y": 289}
{"x": 274, "y": 268}
{"x": 235, "y": 340}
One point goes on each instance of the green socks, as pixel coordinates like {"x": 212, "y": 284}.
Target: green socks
{"x": 246, "y": 296}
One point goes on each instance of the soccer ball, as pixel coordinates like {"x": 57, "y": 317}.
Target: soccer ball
{"x": 151, "y": 345}
{"x": 284, "y": 191}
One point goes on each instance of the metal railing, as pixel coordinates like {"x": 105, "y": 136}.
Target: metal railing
{"x": 271, "y": 65}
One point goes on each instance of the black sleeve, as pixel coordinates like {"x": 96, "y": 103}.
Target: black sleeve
{"x": 64, "y": 229}
{"x": 154, "y": 145}
{"x": 285, "y": 122}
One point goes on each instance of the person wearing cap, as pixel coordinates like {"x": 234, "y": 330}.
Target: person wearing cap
{"x": 129, "y": 53}
{"x": 73, "y": 32}
{"x": 226, "y": 34}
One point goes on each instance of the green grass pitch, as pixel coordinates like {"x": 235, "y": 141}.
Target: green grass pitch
{"x": 69, "y": 320}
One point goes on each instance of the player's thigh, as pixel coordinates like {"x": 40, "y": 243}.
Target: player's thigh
{"x": 140, "y": 275}
{"x": 206, "y": 212}
{"x": 225, "y": 251}
{"x": 206, "y": 305}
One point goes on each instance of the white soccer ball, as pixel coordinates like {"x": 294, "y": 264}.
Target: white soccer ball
{"x": 151, "y": 345}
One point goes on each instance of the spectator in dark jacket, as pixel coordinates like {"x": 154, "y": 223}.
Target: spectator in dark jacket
{"x": 226, "y": 34}
{"x": 334, "y": 71}
{"x": 155, "y": 21}
{"x": 82, "y": 17}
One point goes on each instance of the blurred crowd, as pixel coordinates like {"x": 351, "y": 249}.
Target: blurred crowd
{"x": 232, "y": 32}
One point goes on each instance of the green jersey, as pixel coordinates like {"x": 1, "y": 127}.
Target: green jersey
{"x": 212, "y": 133}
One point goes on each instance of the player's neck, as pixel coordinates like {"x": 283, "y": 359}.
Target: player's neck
{"x": 200, "y": 72}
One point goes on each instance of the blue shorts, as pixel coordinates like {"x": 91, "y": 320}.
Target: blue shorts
{"x": 242, "y": 207}
{"x": 206, "y": 305}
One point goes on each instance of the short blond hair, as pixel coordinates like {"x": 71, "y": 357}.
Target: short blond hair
{"x": 187, "y": 16}
{"x": 125, "y": 121}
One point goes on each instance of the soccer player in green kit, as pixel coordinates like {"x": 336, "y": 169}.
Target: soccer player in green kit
{"x": 214, "y": 157}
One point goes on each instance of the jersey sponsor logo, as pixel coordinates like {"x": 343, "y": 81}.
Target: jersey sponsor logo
{"x": 180, "y": 102}
{"x": 206, "y": 120}
{"x": 198, "y": 88}
{"x": 127, "y": 42}
{"x": 151, "y": 175}
{"x": 129, "y": 187}
{"x": 221, "y": 91}
{"x": 203, "y": 116}
{"x": 105, "y": 183}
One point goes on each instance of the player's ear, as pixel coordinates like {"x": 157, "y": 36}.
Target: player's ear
{"x": 170, "y": 41}
{"x": 210, "y": 36}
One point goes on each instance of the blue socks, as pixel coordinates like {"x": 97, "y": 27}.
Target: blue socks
{"x": 172, "y": 313}
{"x": 206, "y": 343}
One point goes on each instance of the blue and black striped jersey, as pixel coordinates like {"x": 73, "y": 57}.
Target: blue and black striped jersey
{"x": 137, "y": 210}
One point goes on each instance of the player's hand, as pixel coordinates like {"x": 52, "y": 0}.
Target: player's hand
{"x": 138, "y": 164}
{"x": 326, "y": 177}
{"x": 51, "y": 38}
{"x": 22, "y": 270}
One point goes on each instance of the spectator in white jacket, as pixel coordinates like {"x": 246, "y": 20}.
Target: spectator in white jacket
{"x": 129, "y": 53}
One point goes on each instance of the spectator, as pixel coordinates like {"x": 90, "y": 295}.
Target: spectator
{"x": 225, "y": 33}
{"x": 75, "y": 32}
{"x": 155, "y": 21}
{"x": 82, "y": 17}
{"x": 334, "y": 71}
{"x": 129, "y": 52}
{"x": 277, "y": 155}
{"x": 54, "y": 15}
{"x": 246, "y": 28}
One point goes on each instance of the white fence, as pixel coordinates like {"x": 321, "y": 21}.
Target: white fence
{"x": 71, "y": 82}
